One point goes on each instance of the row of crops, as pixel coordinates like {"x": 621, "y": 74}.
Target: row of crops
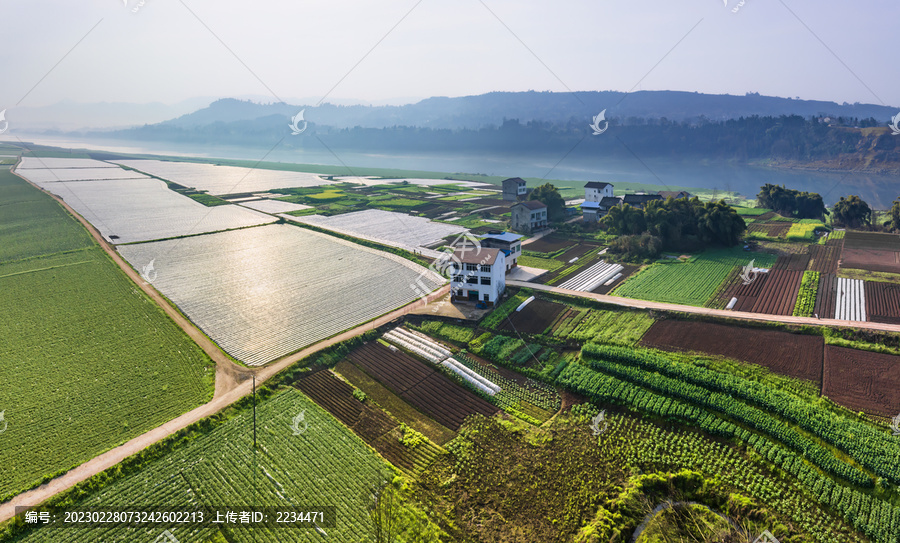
{"x": 677, "y": 450}
{"x": 690, "y": 283}
{"x": 878, "y": 519}
{"x": 601, "y": 326}
{"x": 512, "y": 394}
{"x": 871, "y": 448}
{"x": 806, "y": 296}
{"x": 324, "y": 464}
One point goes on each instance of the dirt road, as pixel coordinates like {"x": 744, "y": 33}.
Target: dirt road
{"x": 642, "y": 304}
{"x": 221, "y": 401}
{"x": 232, "y": 380}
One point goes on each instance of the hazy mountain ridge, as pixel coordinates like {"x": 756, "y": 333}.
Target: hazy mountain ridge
{"x": 491, "y": 109}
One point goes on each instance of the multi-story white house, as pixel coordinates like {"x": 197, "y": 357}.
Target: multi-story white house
{"x": 510, "y": 244}
{"x": 478, "y": 274}
{"x": 596, "y": 191}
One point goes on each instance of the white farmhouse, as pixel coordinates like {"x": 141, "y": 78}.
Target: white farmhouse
{"x": 478, "y": 274}
{"x": 596, "y": 191}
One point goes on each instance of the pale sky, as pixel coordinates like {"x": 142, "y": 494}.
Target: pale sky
{"x": 172, "y": 50}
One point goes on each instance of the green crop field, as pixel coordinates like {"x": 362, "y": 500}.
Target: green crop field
{"x": 32, "y": 224}
{"x": 321, "y": 463}
{"x": 690, "y": 283}
{"x": 88, "y": 361}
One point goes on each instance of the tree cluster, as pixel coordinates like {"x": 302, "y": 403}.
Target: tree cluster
{"x": 852, "y": 212}
{"x": 678, "y": 225}
{"x": 791, "y": 203}
{"x": 548, "y": 195}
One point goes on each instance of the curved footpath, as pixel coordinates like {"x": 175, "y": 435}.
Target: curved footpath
{"x": 643, "y": 304}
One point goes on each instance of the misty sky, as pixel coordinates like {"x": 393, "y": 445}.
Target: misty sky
{"x": 172, "y": 50}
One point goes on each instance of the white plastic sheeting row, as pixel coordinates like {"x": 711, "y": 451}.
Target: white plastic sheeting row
{"x": 416, "y": 347}
{"x": 592, "y": 277}
{"x": 476, "y": 380}
{"x": 851, "y": 300}
{"x": 440, "y": 355}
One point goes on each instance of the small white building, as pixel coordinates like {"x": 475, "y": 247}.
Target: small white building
{"x": 478, "y": 274}
{"x": 596, "y": 191}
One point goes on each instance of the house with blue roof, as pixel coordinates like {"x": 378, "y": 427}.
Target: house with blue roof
{"x": 508, "y": 243}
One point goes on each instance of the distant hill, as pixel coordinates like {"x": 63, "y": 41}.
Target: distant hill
{"x": 474, "y": 112}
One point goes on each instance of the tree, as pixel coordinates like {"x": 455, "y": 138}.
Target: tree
{"x": 383, "y": 505}
{"x": 549, "y": 196}
{"x": 720, "y": 223}
{"x": 624, "y": 220}
{"x": 894, "y": 220}
{"x": 852, "y": 212}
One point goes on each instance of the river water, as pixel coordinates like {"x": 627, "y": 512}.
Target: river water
{"x": 878, "y": 190}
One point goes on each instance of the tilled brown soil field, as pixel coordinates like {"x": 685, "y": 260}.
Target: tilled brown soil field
{"x": 748, "y": 294}
{"x": 824, "y": 258}
{"x": 882, "y": 302}
{"x": 579, "y": 251}
{"x": 420, "y": 385}
{"x": 871, "y": 251}
{"x": 872, "y": 240}
{"x": 779, "y": 293}
{"x": 826, "y": 296}
{"x": 548, "y": 244}
{"x": 771, "y": 229}
{"x": 789, "y": 354}
{"x": 862, "y": 380}
{"x": 534, "y": 318}
{"x": 878, "y": 260}
{"x": 795, "y": 262}
{"x": 373, "y": 425}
